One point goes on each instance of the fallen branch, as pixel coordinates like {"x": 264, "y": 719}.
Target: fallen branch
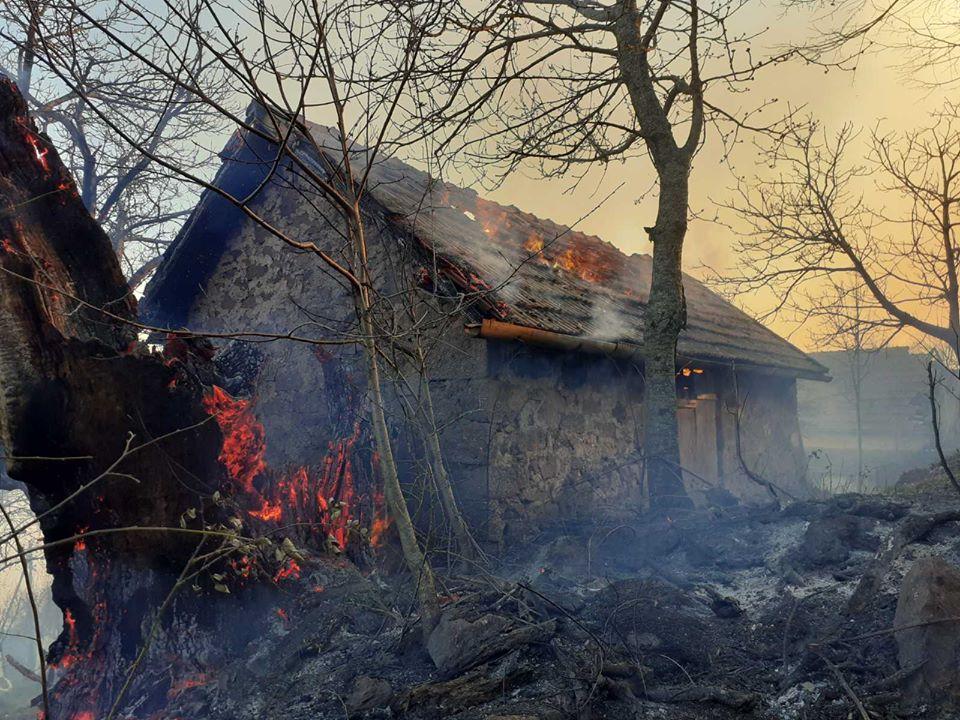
{"x": 22, "y": 669}
{"x": 861, "y": 710}
{"x": 703, "y": 694}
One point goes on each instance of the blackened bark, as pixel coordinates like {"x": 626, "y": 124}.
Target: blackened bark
{"x": 73, "y": 384}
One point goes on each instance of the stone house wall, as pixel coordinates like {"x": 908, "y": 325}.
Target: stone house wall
{"x": 531, "y": 437}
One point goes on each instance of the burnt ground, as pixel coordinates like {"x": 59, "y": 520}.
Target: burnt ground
{"x": 722, "y": 613}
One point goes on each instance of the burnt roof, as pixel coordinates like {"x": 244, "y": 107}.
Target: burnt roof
{"x": 534, "y": 272}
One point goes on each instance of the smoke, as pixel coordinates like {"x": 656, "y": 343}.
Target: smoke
{"x": 608, "y": 321}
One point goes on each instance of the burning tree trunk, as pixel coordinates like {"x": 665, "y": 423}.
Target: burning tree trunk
{"x": 108, "y": 450}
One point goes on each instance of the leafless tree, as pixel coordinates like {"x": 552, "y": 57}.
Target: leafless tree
{"x": 570, "y": 85}
{"x": 934, "y": 379}
{"x": 848, "y": 331}
{"x": 294, "y": 59}
{"x": 139, "y": 204}
{"x": 813, "y": 226}
{"x": 923, "y": 36}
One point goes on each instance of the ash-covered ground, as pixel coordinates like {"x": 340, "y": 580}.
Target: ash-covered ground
{"x": 783, "y": 613}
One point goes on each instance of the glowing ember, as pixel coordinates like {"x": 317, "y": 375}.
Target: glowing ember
{"x": 244, "y": 567}
{"x": 290, "y": 570}
{"x": 186, "y": 683}
{"x": 40, "y": 152}
{"x": 72, "y": 655}
{"x": 80, "y": 545}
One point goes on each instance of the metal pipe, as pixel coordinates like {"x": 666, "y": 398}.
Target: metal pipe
{"x": 498, "y": 330}
{"x": 490, "y": 329}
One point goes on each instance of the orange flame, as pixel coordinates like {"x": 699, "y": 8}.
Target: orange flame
{"x": 324, "y": 499}
{"x": 268, "y": 512}
{"x": 40, "y": 152}
{"x": 244, "y": 442}
{"x": 381, "y": 521}
{"x": 290, "y": 570}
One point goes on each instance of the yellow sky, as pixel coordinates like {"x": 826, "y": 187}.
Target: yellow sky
{"x": 878, "y": 91}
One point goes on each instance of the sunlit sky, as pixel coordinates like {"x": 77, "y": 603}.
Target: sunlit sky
{"x": 878, "y": 91}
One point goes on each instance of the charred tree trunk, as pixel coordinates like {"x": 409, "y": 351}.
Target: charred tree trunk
{"x": 78, "y": 396}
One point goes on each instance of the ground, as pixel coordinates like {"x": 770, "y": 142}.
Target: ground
{"x": 722, "y": 613}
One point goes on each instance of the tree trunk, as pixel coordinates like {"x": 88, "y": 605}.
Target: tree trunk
{"x": 466, "y": 546}
{"x": 75, "y": 395}
{"x": 665, "y": 314}
{"x": 416, "y": 561}
{"x": 665, "y": 317}
{"x": 858, "y": 402}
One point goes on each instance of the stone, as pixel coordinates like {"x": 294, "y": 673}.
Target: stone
{"x": 455, "y": 640}
{"x": 829, "y": 540}
{"x": 368, "y": 693}
{"x": 458, "y": 644}
{"x": 930, "y": 592}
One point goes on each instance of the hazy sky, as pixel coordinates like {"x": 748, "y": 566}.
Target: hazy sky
{"x": 878, "y": 91}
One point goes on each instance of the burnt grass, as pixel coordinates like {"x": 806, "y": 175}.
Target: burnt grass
{"x": 721, "y": 613}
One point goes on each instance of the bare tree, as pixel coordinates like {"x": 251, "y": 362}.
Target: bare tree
{"x": 139, "y": 204}
{"x": 291, "y": 59}
{"x": 934, "y": 379}
{"x": 813, "y": 226}
{"x": 569, "y": 85}
{"x": 923, "y": 36}
{"x": 845, "y": 327}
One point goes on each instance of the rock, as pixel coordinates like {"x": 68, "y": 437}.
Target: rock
{"x": 368, "y": 693}
{"x": 829, "y": 540}
{"x": 455, "y": 640}
{"x": 726, "y": 607}
{"x": 451, "y": 697}
{"x": 930, "y": 592}
{"x": 457, "y": 644}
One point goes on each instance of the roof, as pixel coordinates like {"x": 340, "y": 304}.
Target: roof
{"x": 533, "y": 272}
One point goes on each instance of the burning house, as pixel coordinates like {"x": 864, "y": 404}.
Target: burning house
{"x": 528, "y": 331}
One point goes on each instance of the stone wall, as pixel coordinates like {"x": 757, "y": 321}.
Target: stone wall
{"x": 565, "y": 437}
{"x": 532, "y": 438}
{"x": 770, "y": 440}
